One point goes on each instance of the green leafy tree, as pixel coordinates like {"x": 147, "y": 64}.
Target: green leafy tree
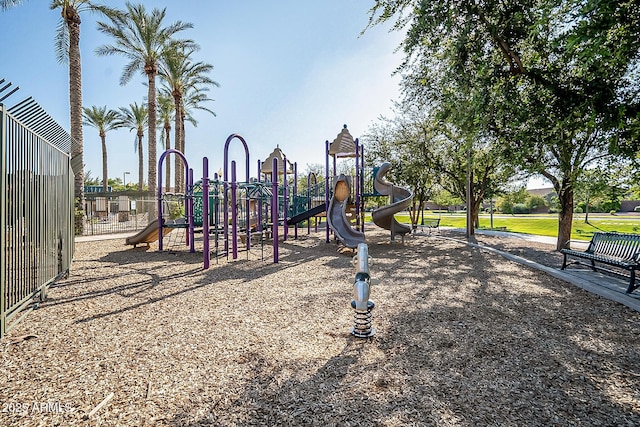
{"x": 553, "y": 80}
{"x": 142, "y": 38}
{"x": 430, "y": 153}
{"x": 136, "y": 118}
{"x": 103, "y": 120}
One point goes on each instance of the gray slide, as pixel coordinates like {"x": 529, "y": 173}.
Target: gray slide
{"x": 337, "y": 214}
{"x": 400, "y": 200}
{"x": 148, "y": 235}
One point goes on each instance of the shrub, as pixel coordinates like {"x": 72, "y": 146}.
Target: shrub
{"x": 504, "y": 205}
{"x": 612, "y": 212}
{"x": 578, "y": 209}
{"x": 636, "y": 209}
{"x": 611, "y": 205}
{"x": 533, "y": 202}
{"x": 520, "y": 208}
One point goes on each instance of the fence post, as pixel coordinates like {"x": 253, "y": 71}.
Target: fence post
{"x": 3, "y": 222}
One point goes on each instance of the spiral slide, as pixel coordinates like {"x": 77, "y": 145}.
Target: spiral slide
{"x": 400, "y": 200}
{"x": 337, "y": 214}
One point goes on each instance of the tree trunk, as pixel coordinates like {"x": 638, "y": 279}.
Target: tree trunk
{"x": 566, "y": 216}
{"x": 167, "y": 136}
{"x": 414, "y": 213}
{"x": 151, "y": 74}
{"x": 469, "y": 197}
{"x": 475, "y": 213}
{"x": 105, "y": 174}
{"x": 586, "y": 211}
{"x": 140, "y": 162}
{"x": 177, "y": 101}
{"x": 72, "y": 20}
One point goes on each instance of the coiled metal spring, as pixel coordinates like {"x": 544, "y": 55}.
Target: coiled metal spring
{"x": 362, "y": 321}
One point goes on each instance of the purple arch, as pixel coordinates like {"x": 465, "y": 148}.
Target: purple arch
{"x": 189, "y": 200}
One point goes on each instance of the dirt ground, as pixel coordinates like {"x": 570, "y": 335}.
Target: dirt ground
{"x": 463, "y": 338}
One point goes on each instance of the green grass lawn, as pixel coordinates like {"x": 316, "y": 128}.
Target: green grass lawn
{"x": 538, "y": 224}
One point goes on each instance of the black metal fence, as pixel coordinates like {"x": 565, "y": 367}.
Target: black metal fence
{"x": 118, "y": 212}
{"x": 36, "y": 208}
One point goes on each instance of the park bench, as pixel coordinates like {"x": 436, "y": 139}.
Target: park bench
{"x": 614, "y": 249}
{"x": 430, "y": 224}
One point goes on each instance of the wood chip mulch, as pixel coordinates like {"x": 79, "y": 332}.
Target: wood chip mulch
{"x": 464, "y": 338}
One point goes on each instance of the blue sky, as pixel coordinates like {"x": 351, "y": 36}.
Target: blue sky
{"x": 292, "y": 72}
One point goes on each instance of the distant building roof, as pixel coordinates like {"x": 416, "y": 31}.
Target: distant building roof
{"x": 541, "y": 191}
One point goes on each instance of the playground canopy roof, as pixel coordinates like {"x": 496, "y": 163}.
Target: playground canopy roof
{"x": 343, "y": 145}
{"x": 267, "y": 165}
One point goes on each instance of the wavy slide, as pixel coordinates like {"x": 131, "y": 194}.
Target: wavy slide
{"x": 400, "y": 200}
{"x": 337, "y": 214}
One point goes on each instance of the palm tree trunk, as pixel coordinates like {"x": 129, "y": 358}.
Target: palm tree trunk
{"x": 167, "y": 136}
{"x": 72, "y": 20}
{"x": 140, "y": 162}
{"x": 105, "y": 175}
{"x": 151, "y": 74}
{"x": 177, "y": 99}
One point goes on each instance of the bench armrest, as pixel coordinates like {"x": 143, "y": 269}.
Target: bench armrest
{"x": 566, "y": 244}
{"x": 636, "y": 257}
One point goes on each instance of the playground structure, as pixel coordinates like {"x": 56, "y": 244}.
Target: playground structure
{"x": 228, "y": 212}
{"x": 346, "y": 200}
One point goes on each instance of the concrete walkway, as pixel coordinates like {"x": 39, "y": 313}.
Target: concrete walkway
{"x": 607, "y": 286}
{"x": 98, "y": 237}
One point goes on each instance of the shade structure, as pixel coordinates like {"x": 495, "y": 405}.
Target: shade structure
{"x": 343, "y": 145}
{"x": 277, "y": 154}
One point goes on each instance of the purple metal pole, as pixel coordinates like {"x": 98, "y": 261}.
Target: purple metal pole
{"x": 186, "y": 168}
{"x": 226, "y": 179}
{"x": 259, "y": 200}
{"x": 285, "y": 199}
{"x": 206, "y": 253}
{"x": 234, "y": 211}
{"x": 357, "y": 186}
{"x": 274, "y": 209}
{"x": 189, "y": 212}
{"x": 362, "y": 184}
{"x": 295, "y": 193}
{"x": 326, "y": 188}
{"x": 216, "y": 211}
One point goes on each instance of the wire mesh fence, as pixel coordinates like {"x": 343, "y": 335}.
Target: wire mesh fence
{"x": 118, "y": 212}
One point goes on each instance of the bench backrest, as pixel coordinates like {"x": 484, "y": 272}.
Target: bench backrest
{"x": 619, "y": 245}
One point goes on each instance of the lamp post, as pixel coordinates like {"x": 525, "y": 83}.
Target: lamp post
{"x": 124, "y": 179}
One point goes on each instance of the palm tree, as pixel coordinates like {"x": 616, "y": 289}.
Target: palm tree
{"x": 141, "y": 38}
{"x": 165, "y": 114}
{"x": 68, "y": 51}
{"x": 192, "y": 100}
{"x": 181, "y": 74}
{"x": 135, "y": 118}
{"x": 104, "y": 121}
